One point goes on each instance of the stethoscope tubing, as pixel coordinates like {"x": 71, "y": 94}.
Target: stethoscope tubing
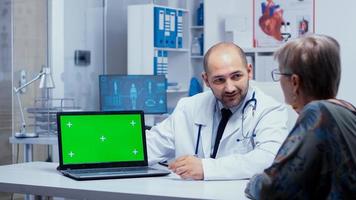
{"x": 198, "y": 140}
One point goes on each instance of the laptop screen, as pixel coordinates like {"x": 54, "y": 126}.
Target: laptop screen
{"x": 101, "y": 137}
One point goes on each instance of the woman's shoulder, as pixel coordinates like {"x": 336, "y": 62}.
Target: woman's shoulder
{"x": 331, "y": 105}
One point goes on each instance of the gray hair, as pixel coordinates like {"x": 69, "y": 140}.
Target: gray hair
{"x": 239, "y": 51}
{"x": 316, "y": 60}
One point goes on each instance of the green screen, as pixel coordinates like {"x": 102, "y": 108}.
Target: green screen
{"x": 101, "y": 138}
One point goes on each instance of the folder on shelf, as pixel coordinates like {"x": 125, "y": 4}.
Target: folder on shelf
{"x": 172, "y": 28}
{"x": 159, "y": 62}
{"x": 161, "y": 67}
{"x": 167, "y": 26}
{"x": 164, "y": 69}
{"x": 159, "y": 25}
{"x": 155, "y": 61}
{"x": 179, "y": 29}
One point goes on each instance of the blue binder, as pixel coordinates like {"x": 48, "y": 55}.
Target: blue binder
{"x": 172, "y": 39}
{"x": 159, "y": 23}
{"x": 167, "y": 27}
{"x": 159, "y": 62}
{"x": 170, "y": 32}
{"x": 164, "y": 69}
{"x": 179, "y": 29}
{"x": 155, "y": 61}
{"x": 161, "y": 68}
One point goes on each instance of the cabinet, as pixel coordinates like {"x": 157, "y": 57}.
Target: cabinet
{"x": 144, "y": 48}
{"x": 143, "y": 53}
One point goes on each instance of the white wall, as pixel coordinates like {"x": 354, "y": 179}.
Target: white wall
{"x": 215, "y": 13}
{"x": 77, "y": 25}
{"x": 336, "y": 18}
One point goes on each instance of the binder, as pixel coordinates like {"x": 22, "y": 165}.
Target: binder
{"x": 162, "y": 63}
{"x": 167, "y": 27}
{"x": 159, "y": 62}
{"x": 179, "y": 29}
{"x": 172, "y": 39}
{"x": 164, "y": 69}
{"x": 155, "y": 61}
{"x": 159, "y": 24}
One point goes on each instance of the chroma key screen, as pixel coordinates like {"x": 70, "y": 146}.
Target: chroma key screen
{"x": 101, "y": 138}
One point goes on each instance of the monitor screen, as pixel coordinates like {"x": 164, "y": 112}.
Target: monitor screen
{"x": 133, "y": 92}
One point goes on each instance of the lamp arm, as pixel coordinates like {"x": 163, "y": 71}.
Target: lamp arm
{"x": 17, "y": 91}
{"x": 23, "y": 122}
{"x": 28, "y": 83}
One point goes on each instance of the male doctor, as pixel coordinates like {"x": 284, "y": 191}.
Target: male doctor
{"x": 202, "y": 144}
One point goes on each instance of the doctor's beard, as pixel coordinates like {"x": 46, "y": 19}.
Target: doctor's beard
{"x": 235, "y": 98}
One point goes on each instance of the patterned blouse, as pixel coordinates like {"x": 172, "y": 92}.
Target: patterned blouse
{"x": 316, "y": 161}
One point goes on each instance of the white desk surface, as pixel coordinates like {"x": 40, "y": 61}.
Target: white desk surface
{"x": 42, "y": 178}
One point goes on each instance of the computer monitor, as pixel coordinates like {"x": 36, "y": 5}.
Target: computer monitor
{"x": 133, "y": 92}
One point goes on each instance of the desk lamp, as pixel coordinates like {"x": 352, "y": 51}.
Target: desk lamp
{"x": 45, "y": 82}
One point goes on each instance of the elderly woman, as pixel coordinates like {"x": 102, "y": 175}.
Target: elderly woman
{"x": 318, "y": 158}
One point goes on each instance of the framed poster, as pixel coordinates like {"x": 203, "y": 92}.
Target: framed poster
{"x": 277, "y": 21}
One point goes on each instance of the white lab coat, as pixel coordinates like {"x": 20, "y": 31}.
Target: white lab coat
{"x": 177, "y": 136}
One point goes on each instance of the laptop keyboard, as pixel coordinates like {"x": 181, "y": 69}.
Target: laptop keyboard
{"x": 121, "y": 170}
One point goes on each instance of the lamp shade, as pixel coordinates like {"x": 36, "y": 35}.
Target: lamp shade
{"x": 46, "y": 79}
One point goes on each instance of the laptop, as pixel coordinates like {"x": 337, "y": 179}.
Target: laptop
{"x": 102, "y": 145}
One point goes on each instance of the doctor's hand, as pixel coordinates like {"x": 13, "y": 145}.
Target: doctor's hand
{"x": 188, "y": 167}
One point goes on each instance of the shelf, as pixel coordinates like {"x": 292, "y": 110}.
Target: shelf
{"x": 172, "y": 49}
{"x": 197, "y": 57}
{"x": 197, "y": 27}
{"x": 177, "y": 91}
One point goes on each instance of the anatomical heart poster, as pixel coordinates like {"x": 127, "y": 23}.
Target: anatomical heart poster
{"x": 277, "y": 21}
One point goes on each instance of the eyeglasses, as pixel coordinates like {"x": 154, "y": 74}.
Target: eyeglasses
{"x": 276, "y": 74}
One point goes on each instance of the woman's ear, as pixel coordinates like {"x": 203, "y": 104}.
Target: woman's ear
{"x": 296, "y": 84}
{"x": 295, "y": 92}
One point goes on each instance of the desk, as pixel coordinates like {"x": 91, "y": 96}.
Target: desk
{"x": 42, "y": 178}
{"x": 29, "y": 142}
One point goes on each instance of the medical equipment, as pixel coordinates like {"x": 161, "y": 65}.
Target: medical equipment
{"x": 198, "y": 140}
{"x": 251, "y": 102}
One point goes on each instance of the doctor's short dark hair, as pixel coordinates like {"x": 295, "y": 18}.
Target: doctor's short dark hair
{"x": 239, "y": 51}
{"x": 316, "y": 60}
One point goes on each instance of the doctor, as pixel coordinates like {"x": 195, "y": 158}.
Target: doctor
{"x": 253, "y": 127}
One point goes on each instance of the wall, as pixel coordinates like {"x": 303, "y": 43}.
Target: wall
{"x": 77, "y": 25}
{"x": 24, "y": 47}
{"x": 215, "y": 14}
{"x": 5, "y": 81}
{"x": 335, "y": 18}
{"x": 29, "y": 54}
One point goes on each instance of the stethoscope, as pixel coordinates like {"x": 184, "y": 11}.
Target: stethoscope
{"x": 251, "y": 102}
